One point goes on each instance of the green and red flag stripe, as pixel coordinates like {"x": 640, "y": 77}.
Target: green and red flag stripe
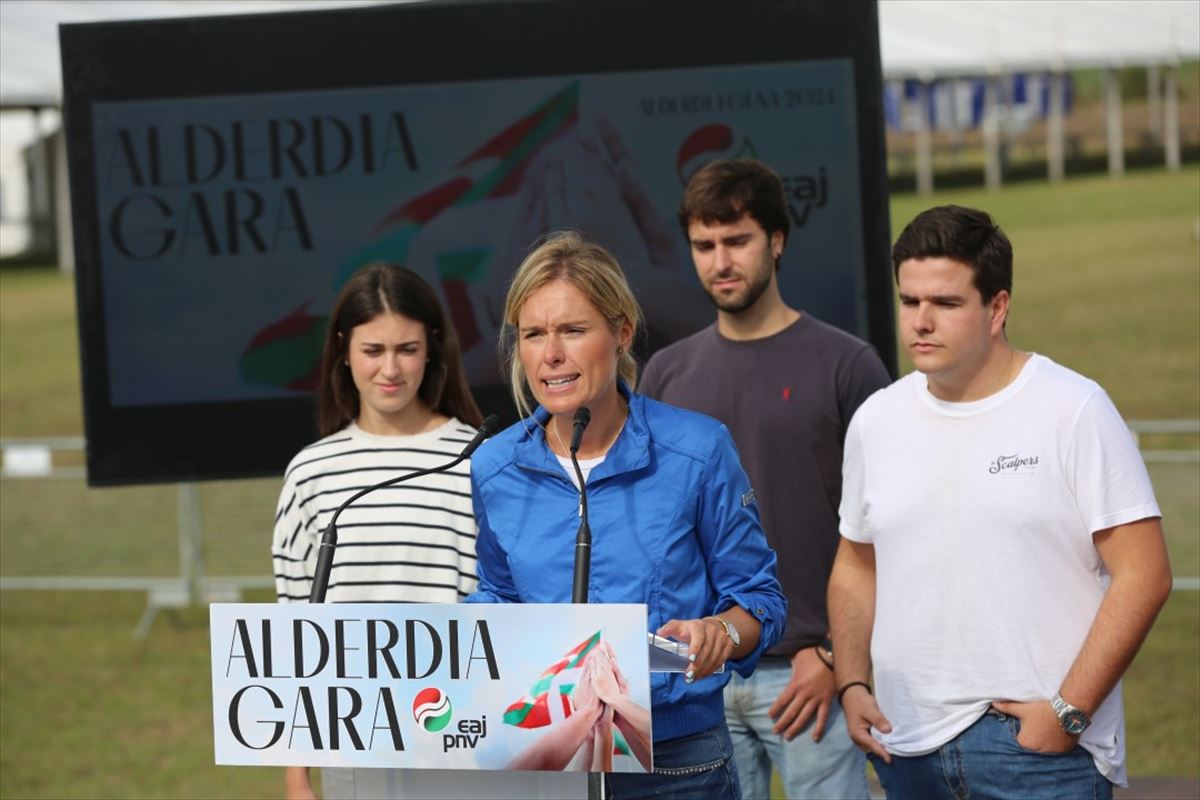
{"x": 533, "y": 710}
{"x": 286, "y": 353}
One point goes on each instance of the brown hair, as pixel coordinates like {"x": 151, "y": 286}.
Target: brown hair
{"x": 722, "y": 192}
{"x": 381, "y": 288}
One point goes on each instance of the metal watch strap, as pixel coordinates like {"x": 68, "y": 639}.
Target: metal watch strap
{"x": 1073, "y": 720}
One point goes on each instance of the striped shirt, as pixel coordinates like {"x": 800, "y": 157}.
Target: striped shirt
{"x": 410, "y": 543}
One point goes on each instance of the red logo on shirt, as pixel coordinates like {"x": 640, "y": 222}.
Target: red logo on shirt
{"x": 787, "y": 393}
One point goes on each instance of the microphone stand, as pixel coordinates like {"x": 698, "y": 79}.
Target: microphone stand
{"x": 583, "y": 537}
{"x": 583, "y": 557}
{"x": 330, "y": 537}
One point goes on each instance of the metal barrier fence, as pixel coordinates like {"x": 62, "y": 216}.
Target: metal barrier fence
{"x": 183, "y": 544}
{"x": 194, "y": 543}
{"x": 1144, "y": 428}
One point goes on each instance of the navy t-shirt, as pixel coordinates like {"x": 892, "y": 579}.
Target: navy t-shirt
{"x": 787, "y": 399}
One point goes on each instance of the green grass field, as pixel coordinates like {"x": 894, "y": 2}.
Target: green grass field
{"x": 1107, "y": 282}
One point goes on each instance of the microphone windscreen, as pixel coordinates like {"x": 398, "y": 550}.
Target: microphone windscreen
{"x": 582, "y": 418}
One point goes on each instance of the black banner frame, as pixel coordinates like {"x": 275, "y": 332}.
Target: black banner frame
{"x": 417, "y": 43}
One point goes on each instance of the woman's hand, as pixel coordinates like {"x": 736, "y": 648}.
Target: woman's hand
{"x": 708, "y": 645}
{"x": 604, "y": 679}
{"x": 555, "y": 750}
{"x": 616, "y": 668}
{"x": 602, "y": 742}
{"x": 584, "y": 695}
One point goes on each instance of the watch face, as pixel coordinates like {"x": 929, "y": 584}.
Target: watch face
{"x": 1075, "y": 722}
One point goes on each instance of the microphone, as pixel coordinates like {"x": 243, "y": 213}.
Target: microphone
{"x": 329, "y": 538}
{"x": 488, "y": 428}
{"x": 583, "y": 418}
{"x": 583, "y": 538}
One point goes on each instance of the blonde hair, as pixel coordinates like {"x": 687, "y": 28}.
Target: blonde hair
{"x": 591, "y": 269}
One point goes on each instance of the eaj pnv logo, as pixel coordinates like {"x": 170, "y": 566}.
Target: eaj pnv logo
{"x": 431, "y": 709}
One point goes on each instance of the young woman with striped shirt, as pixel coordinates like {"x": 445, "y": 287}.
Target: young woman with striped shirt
{"x": 393, "y": 398}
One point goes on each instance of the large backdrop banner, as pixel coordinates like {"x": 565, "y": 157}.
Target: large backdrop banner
{"x": 465, "y": 687}
{"x": 219, "y": 205}
{"x": 254, "y": 209}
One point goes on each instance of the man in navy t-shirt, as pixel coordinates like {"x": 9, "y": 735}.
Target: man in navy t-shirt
{"x": 786, "y": 385}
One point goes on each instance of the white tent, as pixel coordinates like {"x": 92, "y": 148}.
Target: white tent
{"x": 934, "y": 39}
{"x": 939, "y": 38}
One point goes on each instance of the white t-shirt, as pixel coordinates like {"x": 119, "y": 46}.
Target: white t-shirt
{"x": 586, "y": 465}
{"x": 981, "y": 515}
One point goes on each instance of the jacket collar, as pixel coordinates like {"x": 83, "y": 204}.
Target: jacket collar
{"x": 631, "y": 450}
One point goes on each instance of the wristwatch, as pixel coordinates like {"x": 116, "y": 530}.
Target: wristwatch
{"x": 1073, "y": 720}
{"x": 730, "y": 631}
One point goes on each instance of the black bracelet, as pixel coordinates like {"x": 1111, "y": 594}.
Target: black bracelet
{"x": 850, "y": 686}
{"x": 828, "y": 664}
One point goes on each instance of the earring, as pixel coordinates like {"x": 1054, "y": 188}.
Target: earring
{"x": 620, "y": 351}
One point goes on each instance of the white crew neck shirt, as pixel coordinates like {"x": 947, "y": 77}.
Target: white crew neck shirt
{"x": 982, "y": 515}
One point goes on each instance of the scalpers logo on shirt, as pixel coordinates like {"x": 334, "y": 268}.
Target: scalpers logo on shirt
{"x": 1013, "y": 464}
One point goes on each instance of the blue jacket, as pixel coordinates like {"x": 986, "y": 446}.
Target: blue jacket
{"x": 674, "y": 526}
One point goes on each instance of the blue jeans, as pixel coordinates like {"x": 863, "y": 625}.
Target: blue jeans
{"x": 985, "y": 762}
{"x": 831, "y": 768}
{"x": 696, "y": 767}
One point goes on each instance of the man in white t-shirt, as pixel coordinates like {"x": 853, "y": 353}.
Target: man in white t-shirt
{"x": 1002, "y": 555}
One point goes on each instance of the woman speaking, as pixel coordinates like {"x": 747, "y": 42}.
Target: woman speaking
{"x": 673, "y": 519}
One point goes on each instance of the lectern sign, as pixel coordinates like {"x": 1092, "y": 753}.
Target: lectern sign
{"x": 430, "y": 686}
